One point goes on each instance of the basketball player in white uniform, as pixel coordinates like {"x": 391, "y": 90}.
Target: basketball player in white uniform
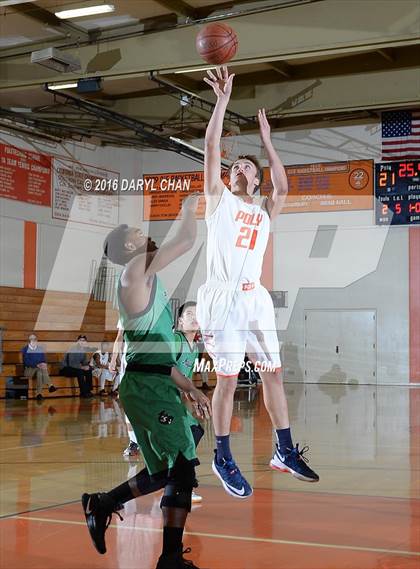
{"x": 234, "y": 311}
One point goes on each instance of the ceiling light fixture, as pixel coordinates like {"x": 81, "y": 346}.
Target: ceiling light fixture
{"x": 62, "y": 86}
{"x": 87, "y": 11}
{"x": 4, "y": 3}
{"x": 195, "y": 69}
{"x": 226, "y": 163}
{"x": 190, "y": 146}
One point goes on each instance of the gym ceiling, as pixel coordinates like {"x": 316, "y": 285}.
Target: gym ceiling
{"x": 305, "y": 61}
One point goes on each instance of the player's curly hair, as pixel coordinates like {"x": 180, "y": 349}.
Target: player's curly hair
{"x": 255, "y": 161}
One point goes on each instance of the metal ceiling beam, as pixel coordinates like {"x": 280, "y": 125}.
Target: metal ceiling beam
{"x": 190, "y": 98}
{"x": 59, "y": 131}
{"x": 182, "y": 81}
{"x": 391, "y": 88}
{"x": 180, "y": 7}
{"x": 301, "y": 31}
{"x": 403, "y": 57}
{"x": 144, "y": 131}
{"x": 43, "y": 16}
{"x": 205, "y": 11}
{"x": 283, "y": 68}
{"x": 280, "y": 72}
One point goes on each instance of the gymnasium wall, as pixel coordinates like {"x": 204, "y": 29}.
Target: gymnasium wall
{"x": 362, "y": 266}
{"x": 64, "y": 249}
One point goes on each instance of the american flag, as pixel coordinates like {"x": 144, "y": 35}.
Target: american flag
{"x": 400, "y": 135}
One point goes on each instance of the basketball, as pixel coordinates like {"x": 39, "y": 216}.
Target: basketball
{"x": 217, "y": 43}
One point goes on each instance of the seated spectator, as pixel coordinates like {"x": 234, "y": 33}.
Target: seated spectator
{"x": 35, "y": 363}
{"x": 76, "y": 364}
{"x": 100, "y": 365}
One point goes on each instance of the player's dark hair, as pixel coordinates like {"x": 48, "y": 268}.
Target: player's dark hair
{"x": 255, "y": 161}
{"x": 81, "y": 337}
{"x": 114, "y": 245}
{"x": 185, "y": 306}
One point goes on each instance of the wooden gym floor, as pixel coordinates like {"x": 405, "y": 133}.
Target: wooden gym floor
{"x": 364, "y": 513}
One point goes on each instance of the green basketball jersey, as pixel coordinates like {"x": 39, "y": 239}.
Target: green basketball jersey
{"x": 149, "y": 334}
{"x": 185, "y": 355}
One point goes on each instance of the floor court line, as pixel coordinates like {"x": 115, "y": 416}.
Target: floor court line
{"x": 236, "y": 537}
{"x": 52, "y": 443}
{"x": 41, "y": 509}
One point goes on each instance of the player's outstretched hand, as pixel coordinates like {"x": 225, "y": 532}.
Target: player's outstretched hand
{"x": 201, "y": 403}
{"x": 265, "y": 129}
{"x": 222, "y": 84}
{"x": 191, "y": 202}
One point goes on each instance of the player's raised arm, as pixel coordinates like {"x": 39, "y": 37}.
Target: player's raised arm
{"x": 182, "y": 242}
{"x": 222, "y": 86}
{"x": 277, "y": 171}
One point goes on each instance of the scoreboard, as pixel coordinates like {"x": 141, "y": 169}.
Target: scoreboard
{"x": 397, "y": 192}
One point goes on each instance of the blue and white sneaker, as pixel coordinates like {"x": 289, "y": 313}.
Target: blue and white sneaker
{"x": 294, "y": 462}
{"x": 230, "y": 476}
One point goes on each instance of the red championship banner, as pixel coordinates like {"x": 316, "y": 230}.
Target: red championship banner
{"x": 25, "y": 176}
{"x": 325, "y": 186}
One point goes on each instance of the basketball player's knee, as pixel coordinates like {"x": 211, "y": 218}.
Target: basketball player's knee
{"x": 179, "y": 488}
{"x": 271, "y": 377}
{"x": 176, "y": 497}
{"x": 227, "y": 385}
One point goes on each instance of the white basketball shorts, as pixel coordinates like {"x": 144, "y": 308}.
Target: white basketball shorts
{"x": 238, "y": 320}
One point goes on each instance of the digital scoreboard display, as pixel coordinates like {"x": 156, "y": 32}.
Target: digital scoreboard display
{"x": 397, "y": 192}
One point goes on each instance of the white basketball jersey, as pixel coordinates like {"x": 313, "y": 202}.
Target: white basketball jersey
{"x": 237, "y": 239}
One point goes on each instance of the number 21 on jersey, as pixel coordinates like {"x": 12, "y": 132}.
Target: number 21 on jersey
{"x": 247, "y": 238}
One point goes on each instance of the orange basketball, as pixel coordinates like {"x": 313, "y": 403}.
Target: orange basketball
{"x": 216, "y": 43}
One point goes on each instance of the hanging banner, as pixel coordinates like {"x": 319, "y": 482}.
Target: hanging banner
{"x": 326, "y": 186}
{"x": 164, "y": 193}
{"x": 81, "y": 193}
{"x": 25, "y": 176}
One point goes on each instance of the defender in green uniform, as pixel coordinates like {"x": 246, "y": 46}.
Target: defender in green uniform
{"x": 150, "y": 387}
{"x": 185, "y": 346}
{"x": 186, "y": 355}
{"x": 148, "y": 393}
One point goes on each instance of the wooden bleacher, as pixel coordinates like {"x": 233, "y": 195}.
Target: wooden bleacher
{"x": 57, "y": 327}
{"x": 56, "y": 324}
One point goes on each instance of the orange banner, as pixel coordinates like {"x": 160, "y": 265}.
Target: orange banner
{"x": 164, "y": 194}
{"x": 326, "y": 186}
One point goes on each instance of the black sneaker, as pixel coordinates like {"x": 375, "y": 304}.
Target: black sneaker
{"x": 295, "y": 463}
{"x": 39, "y": 397}
{"x": 176, "y": 561}
{"x": 98, "y": 509}
{"x": 52, "y": 388}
